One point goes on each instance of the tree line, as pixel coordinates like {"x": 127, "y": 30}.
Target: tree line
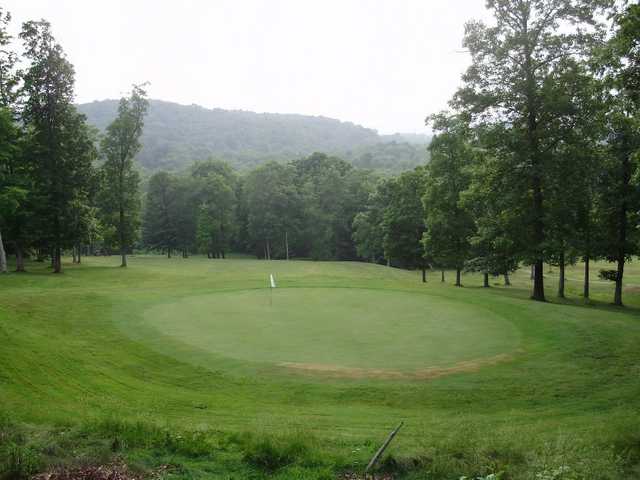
{"x": 61, "y": 184}
{"x": 535, "y": 162}
{"x": 537, "y": 159}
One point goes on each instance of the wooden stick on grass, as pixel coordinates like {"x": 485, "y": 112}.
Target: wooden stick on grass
{"x": 383, "y": 448}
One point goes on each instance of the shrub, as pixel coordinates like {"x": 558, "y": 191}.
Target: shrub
{"x": 19, "y": 462}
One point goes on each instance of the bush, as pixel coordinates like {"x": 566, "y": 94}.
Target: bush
{"x": 19, "y": 463}
{"x": 270, "y": 453}
{"x": 611, "y": 275}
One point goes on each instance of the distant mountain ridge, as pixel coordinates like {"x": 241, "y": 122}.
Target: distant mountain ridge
{"x": 177, "y": 135}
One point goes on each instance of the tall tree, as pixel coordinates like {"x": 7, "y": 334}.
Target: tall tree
{"x": 121, "y": 184}
{"x": 368, "y": 233}
{"x": 273, "y": 203}
{"x": 160, "y": 221}
{"x": 621, "y": 196}
{"x": 403, "y": 221}
{"x": 511, "y": 83}
{"x": 448, "y": 225}
{"x": 60, "y": 142}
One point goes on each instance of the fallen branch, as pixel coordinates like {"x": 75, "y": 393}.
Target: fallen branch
{"x": 383, "y": 448}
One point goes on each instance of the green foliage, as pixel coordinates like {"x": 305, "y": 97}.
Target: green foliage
{"x": 403, "y": 219}
{"x": 448, "y": 225}
{"x": 18, "y": 462}
{"x": 120, "y": 198}
{"x": 175, "y": 136}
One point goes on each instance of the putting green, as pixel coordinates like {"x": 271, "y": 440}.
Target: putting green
{"x": 345, "y": 332}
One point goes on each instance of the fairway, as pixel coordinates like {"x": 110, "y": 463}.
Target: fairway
{"x": 343, "y": 352}
{"x": 342, "y": 331}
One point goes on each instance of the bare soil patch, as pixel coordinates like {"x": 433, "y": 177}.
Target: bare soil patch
{"x": 427, "y": 373}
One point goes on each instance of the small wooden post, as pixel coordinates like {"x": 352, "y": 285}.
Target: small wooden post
{"x": 383, "y": 448}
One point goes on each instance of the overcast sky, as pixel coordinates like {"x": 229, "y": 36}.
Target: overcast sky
{"x": 382, "y": 64}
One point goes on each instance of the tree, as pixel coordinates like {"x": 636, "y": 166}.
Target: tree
{"x": 60, "y": 147}
{"x": 273, "y": 204}
{"x": 368, "y": 233}
{"x": 160, "y": 221}
{"x": 121, "y": 180}
{"x": 403, "y": 220}
{"x": 620, "y": 200}
{"x": 448, "y": 224}
{"x": 510, "y": 83}
{"x": 216, "y": 214}
{"x": 496, "y": 208}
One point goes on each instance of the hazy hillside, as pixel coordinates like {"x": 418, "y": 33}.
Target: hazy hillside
{"x": 177, "y": 135}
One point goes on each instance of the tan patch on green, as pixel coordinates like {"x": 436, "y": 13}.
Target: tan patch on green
{"x": 429, "y": 373}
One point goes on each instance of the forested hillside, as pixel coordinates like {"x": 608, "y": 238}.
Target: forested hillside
{"x": 177, "y": 135}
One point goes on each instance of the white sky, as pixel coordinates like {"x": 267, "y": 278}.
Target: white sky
{"x": 382, "y": 64}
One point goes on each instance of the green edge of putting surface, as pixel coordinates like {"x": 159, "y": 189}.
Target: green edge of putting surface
{"x": 325, "y": 327}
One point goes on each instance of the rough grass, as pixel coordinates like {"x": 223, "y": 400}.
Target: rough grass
{"x": 81, "y": 384}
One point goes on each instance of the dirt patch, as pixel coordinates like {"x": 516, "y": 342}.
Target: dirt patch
{"x": 355, "y": 476}
{"x": 428, "y": 373}
{"x": 93, "y": 472}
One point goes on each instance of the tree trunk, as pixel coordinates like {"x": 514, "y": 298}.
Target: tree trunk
{"x": 79, "y": 254}
{"x": 388, "y": 262}
{"x": 538, "y": 282}
{"x": 424, "y": 275}
{"x": 458, "y": 284}
{"x": 507, "y": 282}
{"x": 442, "y": 276}
{"x": 73, "y": 255}
{"x": 533, "y": 269}
{"x": 561, "y": 277}
{"x": 57, "y": 259}
{"x": 617, "y": 297}
{"x": 123, "y": 248}
{"x": 222, "y": 253}
{"x": 622, "y": 232}
{"x": 3, "y": 257}
{"x": 486, "y": 280}
{"x": 19, "y": 258}
{"x": 286, "y": 244}
{"x": 585, "y": 291}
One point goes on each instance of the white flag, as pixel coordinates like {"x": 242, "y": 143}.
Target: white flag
{"x": 273, "y": 281}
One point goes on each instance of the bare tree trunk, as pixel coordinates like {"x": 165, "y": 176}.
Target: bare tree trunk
{"x": 73, "y": 255}
{"x": 222, "y": 253}
{"x": 268, "y": 250}
{"x": 617, "y": 297}
{"x": 79, "y": 254}
{"x": 19, "y": 258}
{"x": 486, "y": 280}
{"x": 533, "y": 268}
{"x": 286, "y": 243}
{"x": 388, "y": 262}
{"x": 3, "y": 257}
{"x": 123, "y": 248}
{"x": 507, "y": 282}
{"x": 442, "y": 276}
{"x": 561, "y": 276}
{"x": 538, "y": 282}
{"x": 622, "y": 232}
{"x": 57, "y": 259}
{"x": 168, "y": 252}
{"x": 585, "y": 291}
{"x": 458, "y": 284}
{"x": 424, "y": 275}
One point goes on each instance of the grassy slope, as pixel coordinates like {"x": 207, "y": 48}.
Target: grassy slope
{"x": 67, "y": 361}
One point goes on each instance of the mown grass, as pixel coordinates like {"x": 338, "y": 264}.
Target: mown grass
{"x": 82, "y": 382}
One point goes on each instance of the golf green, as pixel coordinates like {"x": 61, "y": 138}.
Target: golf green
{"x": 338, "y": 331}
